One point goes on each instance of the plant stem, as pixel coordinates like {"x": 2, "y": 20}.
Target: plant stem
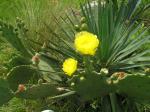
{"x": 88, "y": 65}
{"x": 113, "y": 102}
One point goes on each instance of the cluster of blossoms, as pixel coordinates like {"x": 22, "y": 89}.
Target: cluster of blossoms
{"x": 86, "y": 44}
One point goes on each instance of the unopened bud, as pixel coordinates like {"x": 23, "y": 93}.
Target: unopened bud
{"x": 104, "y": 71}
{"x": 83, "y": 20}
{"x": 84, "y": 26}
{"x": 36, "y": 59}
{"x": 82, "y": 78}
{"x": 21, "y": 88}
{"x": 72, "y": 84}
{"x": 118, "y": 75}
{"x": 77, "y": 28}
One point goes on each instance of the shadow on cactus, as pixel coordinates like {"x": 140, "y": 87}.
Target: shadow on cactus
{"x": 98, "y": 54}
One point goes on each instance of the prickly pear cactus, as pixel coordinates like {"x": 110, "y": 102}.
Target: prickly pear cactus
{"x": 9, "y": 35}
{"x": 38, "y": 91}
{"x": 21, "y": 75}
{"x": 18, "y": 60}
{"x": 93, "y": 86}
{"x": 46, "y": 66}
{"x": 136, "y": 86}
{"x": 5, "y": 93}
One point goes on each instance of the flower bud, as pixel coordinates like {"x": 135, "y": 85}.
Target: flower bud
{"x": 36, "y": 59}
{"x": 82, "y": 78}
{"x": 21, "y": 88}
{"x": 83, "y": 20}
{"x": 77, "y": 27}
{"x": 118, "y": 75}
{"x": 72, "y": 84}
{"x": 104, "y": 71}
{"x": 84, "y": 27}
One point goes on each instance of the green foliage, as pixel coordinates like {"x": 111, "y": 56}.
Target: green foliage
{"x": 21, "y": 75}
{"x": 35, "y": 13}
{"x": 38, "y": 91}
{"x": 9, "y": 35}
{"x": 5, "y": 93}
{"x": 87, "y": 87}
{"x": 47, "y": 67}
{"x": 17, "y": 61}
{"x": 115, "y": 29}
{"x": 135, "y": 86}
{"x": 4, "y": 56}
{"x": 14, "y": 105}
{"x": 119, "y": 50}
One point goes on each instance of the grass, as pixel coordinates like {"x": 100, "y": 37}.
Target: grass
{"x": 35, "y": 13}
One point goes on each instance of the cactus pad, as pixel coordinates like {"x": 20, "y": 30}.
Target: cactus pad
{"x": 46, "y": 66}
{"x": 18, "y": 60}
{"x": 9, "y": 35}
{"x": 20, "y": 75}
{"x": 94, "y": 86}
{"x": 38, "y": 91}
{"x": 5, "y": 93}
{"x": 136, "y": 86}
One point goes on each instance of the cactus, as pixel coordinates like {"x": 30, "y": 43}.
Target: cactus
{"x": 21, "y": 75}
{"x": 38, "y": 91}
{"x": 111, "y": 46}
{"x": 92, "y": 87}
{"x": 9, "y": 34}
{"x": 46, "y": 65}
{"x": 135, "y": 86}
{"x": 18, "y": 60}
{"x": 5, "y": 93}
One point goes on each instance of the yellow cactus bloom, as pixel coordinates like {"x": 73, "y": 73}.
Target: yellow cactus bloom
{"x": 86, "y": 43}
{"x": 69, "y": 66}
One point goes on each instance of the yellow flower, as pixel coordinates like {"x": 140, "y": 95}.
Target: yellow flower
{"x": 86, "y": 43}
{"x": 69, "y": 66}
